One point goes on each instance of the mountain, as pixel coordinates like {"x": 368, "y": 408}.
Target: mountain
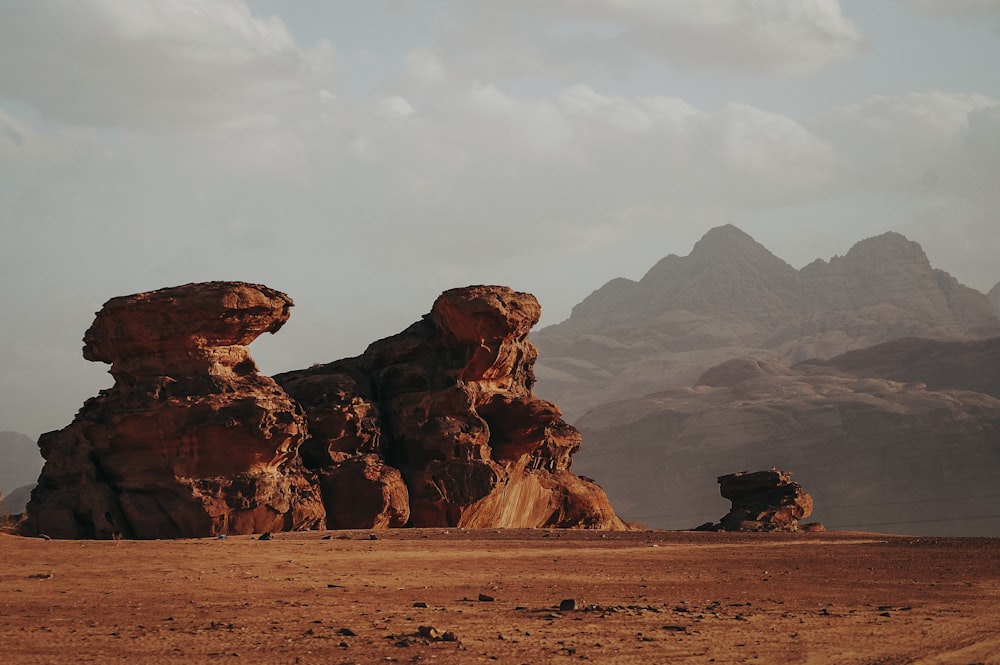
{"x": 15, "y": 502}
{"x": 903, "y": 437}
{"x": 994, "y": 297}
{"x": 20, "y": 461}
{"x": 731, "y": 297}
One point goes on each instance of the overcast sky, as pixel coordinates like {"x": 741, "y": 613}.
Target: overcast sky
{"x": 364, "y": 156}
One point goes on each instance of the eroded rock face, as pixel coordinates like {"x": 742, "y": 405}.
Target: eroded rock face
{"x": 762, "y": 501}
{"x": 190, "y": 441}
{"x": 438, "y": 426}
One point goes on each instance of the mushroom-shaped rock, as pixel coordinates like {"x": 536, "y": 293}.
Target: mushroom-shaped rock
{"x": 191, "y": 440}
{"x": 762, "y": 501}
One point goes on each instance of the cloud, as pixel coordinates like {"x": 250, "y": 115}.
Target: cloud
{"x": 958, "y": 8}
{"x": 775, "y": 37}
{"x": 148, "y": 64}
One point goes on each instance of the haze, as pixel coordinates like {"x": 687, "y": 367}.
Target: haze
{"x": 364, "y": 157}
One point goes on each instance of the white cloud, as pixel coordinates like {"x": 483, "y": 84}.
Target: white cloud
{"x": 784, "y": 37}
{"x": 970, "y": 8}
{"x": 425, "y": 68}
{"x": 911, "y": 141}
{"x": 395, "y": 107}
{"x": 146, "y": 63}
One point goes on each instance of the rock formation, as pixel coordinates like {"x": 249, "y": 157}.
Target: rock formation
{"x": 190, "y": 441}
{"x": 762, "y": 501}
{"x": 731, "y": 297}
{"x": 900, "y": 438}
{"x": 438, "y": 426}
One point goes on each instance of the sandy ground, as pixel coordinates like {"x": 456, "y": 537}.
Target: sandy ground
{"x": 453, "y": 596}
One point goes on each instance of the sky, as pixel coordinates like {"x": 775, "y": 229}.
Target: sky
{"x": 363, "y": 157}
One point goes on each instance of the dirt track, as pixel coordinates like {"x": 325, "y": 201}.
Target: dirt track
{"x": 642, "y": 597}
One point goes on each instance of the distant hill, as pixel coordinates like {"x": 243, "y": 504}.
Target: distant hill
{"x": 731, "y": 297}
{"x": 994, "y": 297}
{"x": 15, "y": 502}
{"x": 903, "y": 437}
{"x": 20, "y": 461}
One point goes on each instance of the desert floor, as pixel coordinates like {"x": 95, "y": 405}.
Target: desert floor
{"x": 455, "y": 596}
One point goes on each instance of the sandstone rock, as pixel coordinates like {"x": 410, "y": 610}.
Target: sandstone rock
{"x": 190, "y": 441}
{"x": 438, "y": 426}
{"x": 730, "y": 298}
{"x": 763, "y": 501}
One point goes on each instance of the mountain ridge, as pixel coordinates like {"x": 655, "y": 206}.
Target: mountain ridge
{"x": 732, "y": 297}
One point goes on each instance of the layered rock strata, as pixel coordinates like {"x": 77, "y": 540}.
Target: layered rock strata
{"x": 438, "y": 426}
{"x": 190, "y": 441}
{"x": 762, "y": 501}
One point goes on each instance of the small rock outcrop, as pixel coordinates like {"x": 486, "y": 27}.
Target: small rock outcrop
{"x": 762, "y": 501}
{"x": 190, "y": 441}
{"x": 438, "y": 426}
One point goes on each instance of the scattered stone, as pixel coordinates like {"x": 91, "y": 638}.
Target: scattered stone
{"x": 430, "y": 632}
{"x": 265, "y": 536}
{"x": 674, "y": 628}
{"x": 420, "y": 604}
{"x": 346, "y": 632}
{"x": 567, "y": 605}
{"x": 40, "y": 576}
{"x": 486, "y": 599}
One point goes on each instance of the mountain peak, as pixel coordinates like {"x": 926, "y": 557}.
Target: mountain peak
{"x": 889, "y": 246}
{"x": 725, "y": 239}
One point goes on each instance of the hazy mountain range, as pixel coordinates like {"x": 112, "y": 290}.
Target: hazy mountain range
{"x": 731, "y": 297}
{"x": 903, "y": 437}
{"x": 714, "y": 363}
{"x": 20, "y": 464}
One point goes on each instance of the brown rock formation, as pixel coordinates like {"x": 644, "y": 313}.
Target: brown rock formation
{"x": 191, "y": 440}
{"x": 438, "y": 426}
{"x": 762, "y": 501}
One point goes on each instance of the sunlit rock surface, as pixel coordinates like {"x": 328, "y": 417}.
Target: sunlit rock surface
{"x": 438, "y": 426}
{"x": 190, "y": 441}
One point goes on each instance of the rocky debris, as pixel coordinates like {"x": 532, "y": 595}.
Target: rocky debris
{"x": 762, "y": 501}
{"x": 732, "y": 297}
{"x": 190, "y": 441}
{"x": 438, "y": 426}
